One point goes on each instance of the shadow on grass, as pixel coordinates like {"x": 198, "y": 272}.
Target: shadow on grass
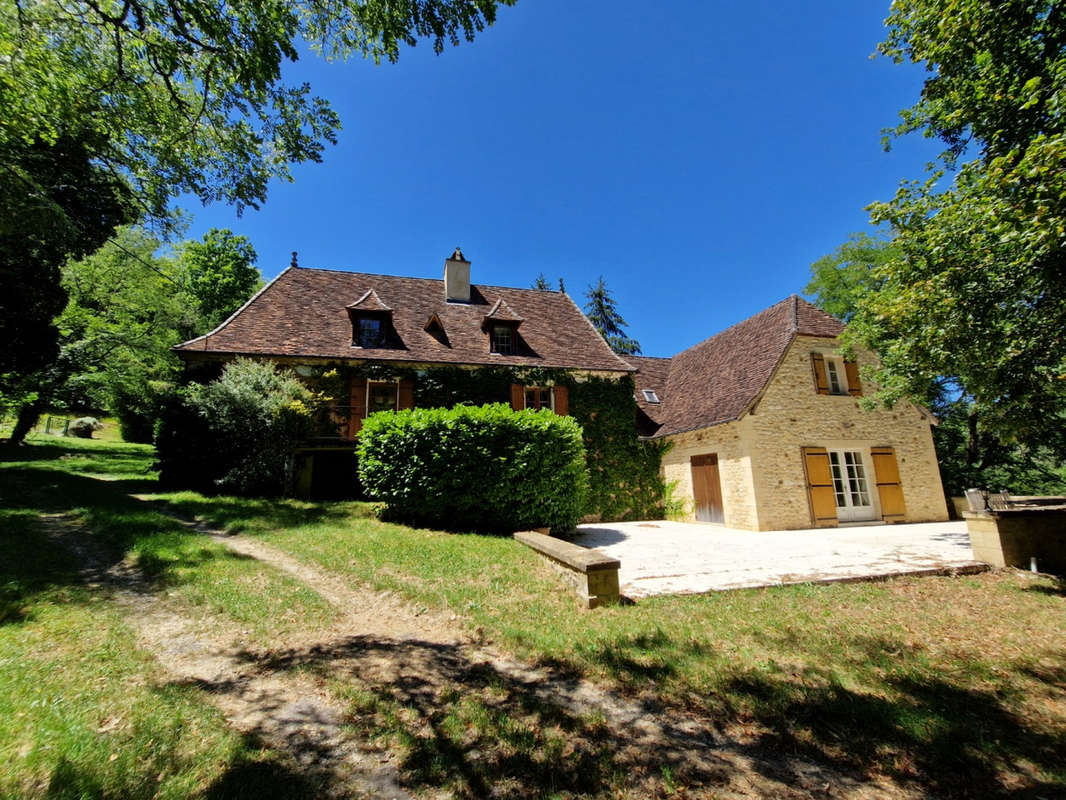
{"x": 922, "y": 728}
{"x": 60, "y": 529}
{"x": 466, "y": 727}
{"x": 251, "y": 515}
{"x": 1055, "y": 586}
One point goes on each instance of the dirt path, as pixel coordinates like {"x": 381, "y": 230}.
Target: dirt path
{"x": 417, "y": 656}
{"x": 424, "y": 663}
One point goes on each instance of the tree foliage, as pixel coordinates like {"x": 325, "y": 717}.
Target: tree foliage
{"x": 602, "y": 311}
{"x": 55, "y": 203}
{"x": 236, "y": 434}
{"x": 220, "y": 274}
{"x": 974, "y": 290}
{"x": 127, "y": 307}
{"x": 187, "y": 97}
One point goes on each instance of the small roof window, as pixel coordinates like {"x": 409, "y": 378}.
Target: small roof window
{"x": 650, "y": 396}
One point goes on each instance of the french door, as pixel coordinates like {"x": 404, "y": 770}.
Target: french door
{"x": 851, "y": 488}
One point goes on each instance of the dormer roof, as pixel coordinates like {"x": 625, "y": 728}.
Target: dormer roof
{"x": 501, "y": 312}
{"x": 369, "y": 301}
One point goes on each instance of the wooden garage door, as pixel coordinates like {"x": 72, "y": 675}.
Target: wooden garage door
{"x": 707, "y": 488}
{"x": 820, "y": 486}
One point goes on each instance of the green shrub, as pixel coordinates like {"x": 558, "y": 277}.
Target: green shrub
{"x": 235, "y": 434}
{"x": 484, "y": 468}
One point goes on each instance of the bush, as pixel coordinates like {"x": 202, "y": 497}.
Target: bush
{"x": 484, "y": 468}
{"x": 83, "y": 427}
{"x": 237, "y": 433}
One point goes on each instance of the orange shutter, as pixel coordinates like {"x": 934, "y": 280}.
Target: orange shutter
{"x": 406, "y": 394}
{"x": 820, "y": 486}
{"x": 851, "y": 369}
{"x": 357, "y": 411}
{"x": 518, "y": 397}
{"x": 562, "y": 400}
{"x": 889, "y": 489}
{"x": 821, "y": 383}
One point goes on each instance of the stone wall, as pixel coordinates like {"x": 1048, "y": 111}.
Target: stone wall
{"x": 763, "y": 482}
{"x": 732, "y": 443}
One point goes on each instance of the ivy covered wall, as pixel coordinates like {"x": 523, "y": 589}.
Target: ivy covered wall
{"x": 624, "y": 479}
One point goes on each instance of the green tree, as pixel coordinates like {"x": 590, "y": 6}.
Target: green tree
{"x": 220, "y": 274}
{"x": 55, "y": 203}
{"x": 541, "y": 283}
{"x": 975, "y": 291}
{"x": 162, "y": 98}
{"x": 603, "y": 313}
{"x": 969, "y": 454}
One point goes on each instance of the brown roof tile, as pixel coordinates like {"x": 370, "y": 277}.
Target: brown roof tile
{"x": 302, "y": 313}
{"x": 368, "y": 302}
{"x": 652, "y": 374}
{"x": 718, "y": 379}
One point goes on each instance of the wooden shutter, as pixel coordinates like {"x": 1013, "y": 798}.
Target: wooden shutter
{"x": 562, "y": 400}
{"x": 518, "y": 396}
{"x": 851, "y": 369}
{"x": 821, "y": 383}
{"x": 357, "y": 412}
{"x": 820, "y": 486}
{"x": 406, "y": 394}
{"x": 889, "y": 489}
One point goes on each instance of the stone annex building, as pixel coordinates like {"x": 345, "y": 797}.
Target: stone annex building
{"x": 763, "y": 419}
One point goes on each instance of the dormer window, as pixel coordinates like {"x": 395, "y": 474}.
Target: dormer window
{"x": 650, "y": 396}
{"x": 370, "y": 332}
{"x": 502, "y": 339}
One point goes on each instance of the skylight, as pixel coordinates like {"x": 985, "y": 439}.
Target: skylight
{"x": 650, "y": 396}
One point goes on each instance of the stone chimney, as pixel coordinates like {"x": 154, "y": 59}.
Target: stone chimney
{"x": 457, "y": 278}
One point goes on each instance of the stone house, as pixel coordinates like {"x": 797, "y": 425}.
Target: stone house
{"x": 762, "y": 420}
{"x": 766, "y": 431}
{"x": 394, "y": 342}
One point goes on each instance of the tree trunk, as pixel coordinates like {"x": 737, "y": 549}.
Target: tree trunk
{"x": 27, "y": 418}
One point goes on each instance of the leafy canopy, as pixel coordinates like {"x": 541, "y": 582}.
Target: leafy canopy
{"x": 182, "y": 96}
{"x": 220, "y": 273}
{"x": 973, "y": 291}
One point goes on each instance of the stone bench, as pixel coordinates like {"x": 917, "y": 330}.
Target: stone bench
{"x": 592, "y": 574}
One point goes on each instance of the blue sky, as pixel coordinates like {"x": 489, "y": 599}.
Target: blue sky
{"x": 698, "y": 155}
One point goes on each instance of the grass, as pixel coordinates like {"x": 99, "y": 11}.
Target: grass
{"x": 954, "y": 685}
{"x": 83, "y": 712}
{"x": 949, "y": 687}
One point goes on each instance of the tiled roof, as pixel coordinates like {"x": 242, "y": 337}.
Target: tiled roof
{"x": 718, "y": 379}
{"x": 303, "y": 313}
{"x": 652, "y": 373}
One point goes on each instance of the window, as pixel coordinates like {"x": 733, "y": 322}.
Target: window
{"x": 834, "y": 373}
{"x": 650, "y": 396}
{"x": 369, "y": 332}
{"x": 381, "y": 397}
{"x": 540, "y": 398}
{"x": 502, "y": 339}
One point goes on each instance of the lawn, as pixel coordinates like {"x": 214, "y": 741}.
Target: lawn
{"x": 945, "y": 686}
{"x": 85, "y": 713}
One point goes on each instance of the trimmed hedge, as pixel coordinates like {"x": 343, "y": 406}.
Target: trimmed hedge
{"x": 484, "y": 468}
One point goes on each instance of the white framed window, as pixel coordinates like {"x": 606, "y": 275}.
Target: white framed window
{"x": 836, "y": 375}
{"x": 650, "y": 395}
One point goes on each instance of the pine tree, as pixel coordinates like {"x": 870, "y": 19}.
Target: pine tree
{"x": 602, "y": 312}
{"x": 541, "y": 284}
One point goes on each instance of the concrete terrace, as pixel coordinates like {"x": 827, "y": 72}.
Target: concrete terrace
{"x": 664, "y": 557}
